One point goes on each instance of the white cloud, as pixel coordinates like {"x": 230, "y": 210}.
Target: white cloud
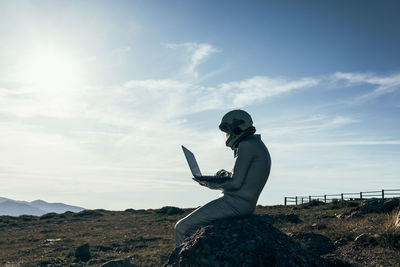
{"x": 383, "y": 84}
{"x": 199, "y": 52}
{"x": 171, "y": 98}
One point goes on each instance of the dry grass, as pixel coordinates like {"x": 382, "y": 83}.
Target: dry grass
{"x": 147, "y": 236}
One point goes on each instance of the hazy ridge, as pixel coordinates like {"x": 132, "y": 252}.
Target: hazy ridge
{"x": 38, "y": 207}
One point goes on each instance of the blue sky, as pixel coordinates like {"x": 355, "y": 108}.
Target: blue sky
{"x": 96, "y": 97}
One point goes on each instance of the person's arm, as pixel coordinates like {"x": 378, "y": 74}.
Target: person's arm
{"x": 242, "y": 163}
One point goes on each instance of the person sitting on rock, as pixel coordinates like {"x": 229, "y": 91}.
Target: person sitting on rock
{"x": 250, "y": 173}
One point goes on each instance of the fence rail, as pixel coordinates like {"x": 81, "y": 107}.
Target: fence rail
{"x": 384, "y": 193}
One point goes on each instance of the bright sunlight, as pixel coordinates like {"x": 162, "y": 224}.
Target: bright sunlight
{"x": 53, "y": 78}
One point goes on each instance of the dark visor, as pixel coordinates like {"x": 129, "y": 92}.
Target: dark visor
{"x": 225, "y": 127}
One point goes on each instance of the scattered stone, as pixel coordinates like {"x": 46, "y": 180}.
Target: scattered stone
{"x": 119, "y": 263}
{"x": 83, "y": 253}
{"x": 50, "y": 242}
{"x": 341, "y": 216}
{"x": 340, "y": 242}
{"x": 318, "y": 226}
{"x": 354, "y": 214}
{"x": 246, "y": 241}
{"x": 316, "y": 243}
{"x": 365, "y": 239}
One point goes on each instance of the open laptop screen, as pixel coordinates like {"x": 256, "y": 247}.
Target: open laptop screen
{"x": 194, "y": 167}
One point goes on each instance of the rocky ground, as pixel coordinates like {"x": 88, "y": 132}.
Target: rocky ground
{"x": 349, "y": 233}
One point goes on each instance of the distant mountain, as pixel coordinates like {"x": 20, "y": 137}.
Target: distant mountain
{"x": 54, "y": 207}
{"x": 13, "y": 208}
{"x": 38, "y": 207}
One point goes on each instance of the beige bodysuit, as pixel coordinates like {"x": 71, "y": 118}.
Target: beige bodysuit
{"x": 239, "y": 194}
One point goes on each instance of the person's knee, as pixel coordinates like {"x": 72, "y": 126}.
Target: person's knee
{"x": 180, "y": 226}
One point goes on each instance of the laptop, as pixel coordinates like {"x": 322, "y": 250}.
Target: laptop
{"x": 194, "y": 167}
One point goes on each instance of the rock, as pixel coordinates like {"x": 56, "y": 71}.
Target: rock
{"x": 390, "y": 204}
{"x": 83, "y": 253}
{"x": 364, "y": 239}
{"x": 119, "y": 263}
{"x": 316, "y": 243}
{"x": 246, "y": 241}
{"x": 318, "y": 226}
{"x": 340, "y": 242}
{"x": 50, "y": 242}
{"x": 354, "y": 214}
{"x": 341, "y": 216}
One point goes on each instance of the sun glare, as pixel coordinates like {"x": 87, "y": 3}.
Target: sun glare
{"x": 52, "y": 77}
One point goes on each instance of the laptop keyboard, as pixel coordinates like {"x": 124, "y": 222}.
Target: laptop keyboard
{"x": 213, "y": 179}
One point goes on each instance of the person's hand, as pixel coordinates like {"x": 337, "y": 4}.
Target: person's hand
{"x": 223, "y": 173}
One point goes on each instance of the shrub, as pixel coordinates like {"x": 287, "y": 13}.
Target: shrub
{"x": 338, "y": 204}
{"x": 312, "y": 203}
{"x": 27, "y": 218}
{"x": 139, "y": 211}
{"x": 89, "y": 213}
{"x": 168, "y": 210}
{"x": 49, "y": 216}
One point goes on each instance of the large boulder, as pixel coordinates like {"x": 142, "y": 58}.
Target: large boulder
{"x": 83, "y": 253}
{"x": 250, "y": 241}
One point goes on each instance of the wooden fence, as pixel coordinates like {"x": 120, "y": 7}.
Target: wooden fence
{"x": 384, "y": 193}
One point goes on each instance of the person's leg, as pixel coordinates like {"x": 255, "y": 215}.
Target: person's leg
{"x": 216, "y": 209}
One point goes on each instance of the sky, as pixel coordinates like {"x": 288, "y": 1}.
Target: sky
{"x": 97, "y": 97}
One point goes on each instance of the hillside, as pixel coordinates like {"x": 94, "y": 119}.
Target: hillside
{"x": 146, "y": 236}
{"x": 38, "y": 207}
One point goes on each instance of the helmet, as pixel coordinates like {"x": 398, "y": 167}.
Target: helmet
{"x": 237, "y": 124}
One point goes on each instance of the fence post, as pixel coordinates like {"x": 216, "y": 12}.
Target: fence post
{"x": 360, "y": 195}
{"x": 296, "y": 200}
{"x": 325, "y": 198}
{"x": 309, "y": 198}
{"x": 302, "y": 200}
{"x": 383, "y": 194}
{"x": 285, "y": 201}
{"x": 342, "y": 196}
